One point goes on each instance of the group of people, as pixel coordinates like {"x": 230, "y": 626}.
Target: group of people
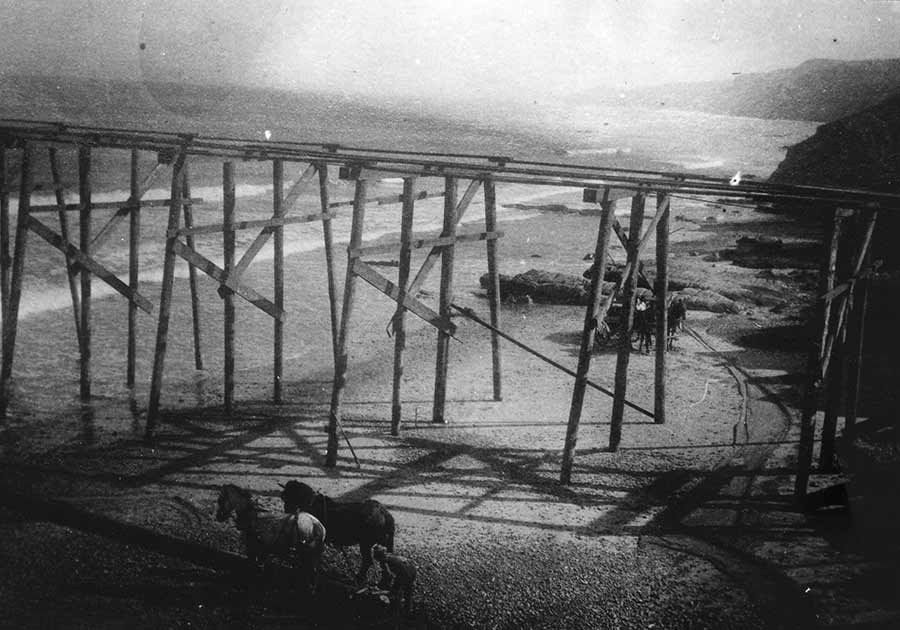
{"x": 644, "y": 327}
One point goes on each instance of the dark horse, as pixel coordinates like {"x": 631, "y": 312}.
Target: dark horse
{"x": 363, "y": 523}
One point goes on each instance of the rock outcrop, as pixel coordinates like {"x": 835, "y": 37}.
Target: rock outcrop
{"x": 859, "y": 151}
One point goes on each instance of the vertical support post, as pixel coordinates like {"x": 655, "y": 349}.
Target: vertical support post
{"x": 192, "y": 271}
{"x": 833, "y": 386}
{"x": 833, "y": 356}
{"x": 817, "y": 343}
{"x": 628, "y": 294}
{"x": 446, "y": 297}
{"x": 854, "y": 350}
{"x": 490, "y": 225}
{"x": 662, "y": 298}
{"x": 11, "y": 316}
{"x": 228, "y": 204}
{"x": 278, "y": 279}
{"x": 165, "y": 299}
{"x": 322, "y": 168}
{"x": 84, "y": 237}
{"x": 398, "y": 322}
{"x": 601, "y": 249}
{"x": 5, "y": 260}
{"x": 71, "y": 272}
{"x": 340, "y": 366}
{"x": 134, "y": 245}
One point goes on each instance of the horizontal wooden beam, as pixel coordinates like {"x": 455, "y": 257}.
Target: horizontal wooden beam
{"x": 89, "y": 263}
{"x": 256, "y": 223}
{"x": 115, "y": 205}
{"x": 442, "y": 241}
{"x": 391, "y": 290}
{"x": 218, "y": 274}
{"x": 388, "y": 199}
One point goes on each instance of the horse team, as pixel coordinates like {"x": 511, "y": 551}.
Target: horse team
{"x": 644, "y": 327}
{"x": 309, "y": 522}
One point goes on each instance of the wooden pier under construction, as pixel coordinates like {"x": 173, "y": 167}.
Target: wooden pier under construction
{"x": 841, "y": 307}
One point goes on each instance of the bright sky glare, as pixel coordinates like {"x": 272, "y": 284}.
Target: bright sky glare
{"x": 439, "y": 49}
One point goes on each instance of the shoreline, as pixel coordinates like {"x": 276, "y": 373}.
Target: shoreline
{"x": 477, "y": 501}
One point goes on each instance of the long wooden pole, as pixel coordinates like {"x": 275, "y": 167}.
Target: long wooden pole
{"x": 587, "y": 335}
{"x": 662, "y": 311}
{"x": 469, "y": 313}
{"x": 445, "y": 299}
{"x": 84, "y": 199}
{"x": 834, "y": 389}
{"x": 341, "y": 359}
{"x": 192, "y": 271}
{"x": 399, "y": 320}
{"x": 621, "y": 382}
{"x": 134, "y": 246}
{"x": 490, "y": 225}
{"x": 327, "y": 236}
{"x": 854, "y": 348}
{"x": 833, "y": 381}
{"x": 5, "y": 259}
{"x": 228, "y": 205}
{"x": 278, "y": 280}
{"x": 71, "y": 273}
{"x": 165, "y": 299}
{"x": 11, "y": 316}
{"x": 814, "y": 361}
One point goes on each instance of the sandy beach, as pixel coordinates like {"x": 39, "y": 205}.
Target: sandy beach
{"x": 645, "y": 537}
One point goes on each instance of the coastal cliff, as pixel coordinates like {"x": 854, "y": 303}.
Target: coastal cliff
{"x": 859, "y": 151}
{"x": 820, "y": 90}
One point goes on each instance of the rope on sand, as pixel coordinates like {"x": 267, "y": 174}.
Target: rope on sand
{"x": 740, "y": 378}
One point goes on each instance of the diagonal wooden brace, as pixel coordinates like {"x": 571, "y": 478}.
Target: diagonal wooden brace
{"x": 263, "y": 237}
{"x": 218, "y": 274}
{"x": 391, "y": 290}
{"x": 92, "y": 265}
{"x": 435, "y": 253}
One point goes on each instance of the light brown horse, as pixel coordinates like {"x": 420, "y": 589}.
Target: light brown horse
{"x": 298, "y": 537}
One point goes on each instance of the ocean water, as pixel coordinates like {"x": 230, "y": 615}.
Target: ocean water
{"x": 46, "y": 376}
{"x": 662, "y": 139}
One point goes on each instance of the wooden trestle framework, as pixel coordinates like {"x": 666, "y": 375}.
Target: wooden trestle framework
{"x": 843, "y": 289}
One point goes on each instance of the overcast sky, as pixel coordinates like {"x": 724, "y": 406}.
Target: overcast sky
{"x": 430, "y": 48}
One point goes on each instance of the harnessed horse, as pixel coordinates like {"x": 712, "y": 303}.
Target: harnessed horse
{"x": 298, "y": 536}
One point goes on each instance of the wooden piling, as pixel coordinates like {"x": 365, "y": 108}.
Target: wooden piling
{"x": 5, "y": 259}
{"x": 834, "y": 389}
{"x": 134, "y": 245}
{"x": 192, "y": 271}
{"x": 814, "y": 360}
{"x": 228, "y": 237}
{"x": 627, "y": 325}
{"x": 84, "y": 238}
{"x": 854, "y": 352}
{"x": 341, "y": 359}
{"x": 399, "y": 320}
{"x": 165, "y": 299}
{"x": 446, "y": 298}
{"x": 662, "y": 313}
{"x": 493, "y": 291}
{"x": 278, "y": 279}
{"x": 334, "y": 309}
{"x": 601, "y": 249}
{"x": 71, "y": 272}
{"x": 11, "y": 316}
